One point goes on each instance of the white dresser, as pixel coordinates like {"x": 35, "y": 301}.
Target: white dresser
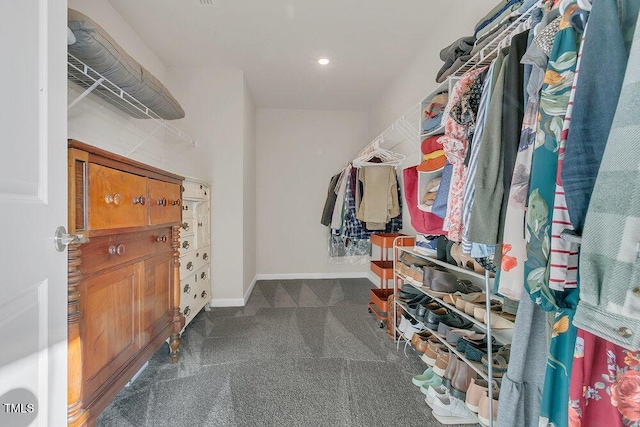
{"x": 195, "y": 248}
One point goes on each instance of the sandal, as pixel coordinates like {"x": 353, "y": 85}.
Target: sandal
{"x": 500, "y": 361}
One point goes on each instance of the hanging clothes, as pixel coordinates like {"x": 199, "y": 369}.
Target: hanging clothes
{"x": 459, "y": 120}
{"x": 330, "y": 202}
{"x": 610, "y": 261}
{"x": 554, "y": 99}
{"x": 605, "y": 384}
{"x": 514, "y": 247}
{"x": 380, "y": 198}
{"x": 596, "y": 98}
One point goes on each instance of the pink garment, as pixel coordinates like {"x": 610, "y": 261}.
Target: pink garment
{"x": 605, "y": 384}
{"x": 456, "y": 143}
{"x": 423, "y": 222}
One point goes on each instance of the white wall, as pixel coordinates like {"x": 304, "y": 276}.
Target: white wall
{"x": 249, "y": 190}
{"x": 297, "y": 153}
{"x": 419, "y": 76}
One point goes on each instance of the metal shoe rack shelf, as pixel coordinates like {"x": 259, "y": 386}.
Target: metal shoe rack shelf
{"x": 404, "y": 244}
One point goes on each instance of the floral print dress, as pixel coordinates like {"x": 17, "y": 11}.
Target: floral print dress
{"x": 554, "y": 100}
{"x": 605, "y": 384}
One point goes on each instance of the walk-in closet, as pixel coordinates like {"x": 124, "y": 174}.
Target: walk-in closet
{"x": 300, "y": 213}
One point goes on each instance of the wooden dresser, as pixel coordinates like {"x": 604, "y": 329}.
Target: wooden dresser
{"x": 124, "y": 282}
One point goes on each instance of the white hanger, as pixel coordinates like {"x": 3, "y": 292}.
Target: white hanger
{"x": 389, "y": 158}
{"x": 585, "y": 5}
{"x": 562, "y": 7}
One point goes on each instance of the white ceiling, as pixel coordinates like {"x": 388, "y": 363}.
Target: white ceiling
{"x": 277, "y": 43}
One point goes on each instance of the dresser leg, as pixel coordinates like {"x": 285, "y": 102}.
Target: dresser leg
{"x": 174, "y": 343}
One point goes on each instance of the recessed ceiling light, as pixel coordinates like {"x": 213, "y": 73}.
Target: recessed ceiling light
{"x": 323, "y": 61}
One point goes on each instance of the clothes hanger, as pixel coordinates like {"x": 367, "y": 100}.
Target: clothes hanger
{"x": 387, "y": 157}
{"x": 585, "y": 5}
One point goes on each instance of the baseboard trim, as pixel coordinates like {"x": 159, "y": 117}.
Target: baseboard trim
{"x": 293, "y": 276}
{"x": 250, "y": 289}
{"x": 227, "y": 302}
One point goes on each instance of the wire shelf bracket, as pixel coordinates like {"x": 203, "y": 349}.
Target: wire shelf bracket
{"x": 93, "y": 82}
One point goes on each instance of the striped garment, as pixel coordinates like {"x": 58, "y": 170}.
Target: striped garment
{"x": 610, "y": 255}
{"x": 563, "y": 259}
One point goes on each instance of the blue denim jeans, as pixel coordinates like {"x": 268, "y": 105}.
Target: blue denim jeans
{"x": 607, "y": 43}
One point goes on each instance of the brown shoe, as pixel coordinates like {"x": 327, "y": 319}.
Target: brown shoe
{"x": 431, "y": 352}
{"x": 442, "y": 361}
{"x": 461, "y": 380}
{"x": 452, "y": 365}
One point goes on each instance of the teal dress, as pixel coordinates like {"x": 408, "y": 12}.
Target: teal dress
{"x": 554, "y": 100}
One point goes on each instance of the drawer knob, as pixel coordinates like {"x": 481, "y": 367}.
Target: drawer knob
{"x": 187, "y": 310}
{"x": 176, "y": 202}
{"x": 182, "y": 188}
{"x": 185, "y": 244}
{"x": 199, "y": 224}
{"x": 203, "y": 275}
{"x": 162, "y": 202}
{"x": 190, "y": 266}
{"x": 185, "y": 226}
{"x": 203, "y": 294}
{"x": 185, "y": 207}
{"x": 116, "y": 250}
{"x": 205, "y": 256}
{"x": 116, "y": 199}
{"x": 187, "y": 288}
{"x": 161, "y": 239}
{"x": 141, "y": 200}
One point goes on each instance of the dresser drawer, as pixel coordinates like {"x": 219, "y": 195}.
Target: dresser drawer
{"x": 164, "y": 202}
{"x": 108, "y": 251}
{"x": 194, "y": 190}
{"x": 187, "y": 226}
{"x": 116, "y": 199}
{"x": 187, "y": 244}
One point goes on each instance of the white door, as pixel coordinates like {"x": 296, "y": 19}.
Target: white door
{"x": 33, "y": 203}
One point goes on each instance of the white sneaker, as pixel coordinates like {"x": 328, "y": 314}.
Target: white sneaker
{"x": 404, "y": 322}
{"x": 434, "y": 392}
{"x": 449, "y": 410}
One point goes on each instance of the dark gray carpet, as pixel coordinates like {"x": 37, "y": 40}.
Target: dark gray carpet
{"x": 300, "y": 353}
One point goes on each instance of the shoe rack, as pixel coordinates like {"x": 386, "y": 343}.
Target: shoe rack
{"x": 384, "y": 269}
{"x": 502, "y": 336}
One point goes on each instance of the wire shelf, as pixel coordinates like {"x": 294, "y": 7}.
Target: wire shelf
{"x": 94, "y": 83}
{"x": 487, "y": 54}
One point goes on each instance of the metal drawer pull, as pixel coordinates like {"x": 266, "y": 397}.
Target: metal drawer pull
{"x": 185, "y": 226}
{"x": 116, "y": 250}
{"x": 189, "y": 266}
{"x": 116, "y": 199}
{"x": 203, "y": 275}
{"x": 176, "y": 202}
{"x": 205, "y": 256}
{"x": 187, "y": 310}
{"x": 185, "y": 207}
{"x": 187, "y": 288}
{"x": 185, "y": 244}
{"x": 203, "y": 294}
{"x": 140, "y": 200}
{"x": 162, "y": 202}
{"x": 161, "y": 239}
{"x": 199, "y": 224}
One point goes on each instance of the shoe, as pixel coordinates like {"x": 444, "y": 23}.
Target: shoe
{"x": 426, "y": 304}
{"x": 469, "y": 263}
{"x": 431, "y": 353}
{"x": 422, "y": 340}
{"x": 483, "y": 408}
{"x": 500, "y": 361}
{"x": 441, "y": 248}
{"x": 442, "y": 361}
{"x": 415, "y": 304}
{"x": 476, "y": 353}
{"x": 478, "y": 340}
{"x": 456, "y": 251}
{"x": 432, "y": 392}
{"x": 449, "y": 410}
{"x": 419, "y": 380}
{"x": 413, "y": 327}
{"x": 454, "y": 335}
{"x": 497, "y": 321}
{"x": 452, "y": 365}
{"x": 476, "y": 389}
{"x": 461, "y": 380}
{"x": 462, "y": 299}
{"x": 451, "y": 319}
{"x": 404, "y": 322}
{"x": 410, "y": 259}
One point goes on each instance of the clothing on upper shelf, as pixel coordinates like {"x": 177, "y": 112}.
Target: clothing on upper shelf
{"x": 423, "y": 222}
{"x": 432, "y": 112}
{"x": 452, "y": 54}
